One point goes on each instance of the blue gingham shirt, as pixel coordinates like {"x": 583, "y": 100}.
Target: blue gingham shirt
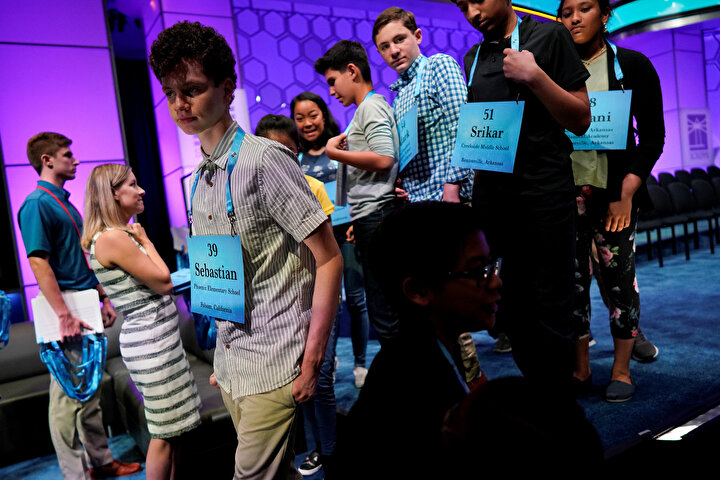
{"x": 442, "y": 93}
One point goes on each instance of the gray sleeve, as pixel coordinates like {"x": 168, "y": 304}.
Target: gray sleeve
{"x": 377, "y": 122}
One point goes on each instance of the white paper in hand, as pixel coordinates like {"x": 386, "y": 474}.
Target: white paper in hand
{"x": 84, "y": 304}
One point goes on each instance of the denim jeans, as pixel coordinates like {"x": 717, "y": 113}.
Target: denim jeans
{"x": 354, "y": 285}
{"x": 320, "y": 411}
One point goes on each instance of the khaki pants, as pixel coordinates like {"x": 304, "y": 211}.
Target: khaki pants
{"x": 264, "y": 425}
{"x": 74, "y": 425}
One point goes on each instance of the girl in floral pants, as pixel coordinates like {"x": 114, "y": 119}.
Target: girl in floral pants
{"x": 616, "y": 260}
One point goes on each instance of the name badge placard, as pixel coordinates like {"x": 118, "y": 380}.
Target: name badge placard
{"x": 488, "y": 134}
{"x": 217, "y": 282}
{"x": 341, "y": 215}
{"x": 610, "y": 113}
{"x": 407, "y": 128}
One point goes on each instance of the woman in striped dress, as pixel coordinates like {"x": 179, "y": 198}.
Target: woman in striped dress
{"x": 138, "y": 283}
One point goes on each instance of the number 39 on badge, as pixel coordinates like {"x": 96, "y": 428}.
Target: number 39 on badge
{"x": 217, "y": 281}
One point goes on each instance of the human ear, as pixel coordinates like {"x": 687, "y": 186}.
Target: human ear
{"x": 604, "y": 18}
{"x": 418, "y": 36}
{"x": 354, "y": 71}
{"x": 229, "y": 90}
{"x": 416, "y": 293}
{"x": 46, "y": 160}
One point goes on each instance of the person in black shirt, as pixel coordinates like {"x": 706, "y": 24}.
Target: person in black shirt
{"x": 529, "y": 214}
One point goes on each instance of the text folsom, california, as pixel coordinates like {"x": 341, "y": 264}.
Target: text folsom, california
{"x": 219, "y": 308}
{"x": 221, "y": 273}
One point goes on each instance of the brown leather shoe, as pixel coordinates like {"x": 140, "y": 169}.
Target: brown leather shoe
{"x": 115, "y": 469}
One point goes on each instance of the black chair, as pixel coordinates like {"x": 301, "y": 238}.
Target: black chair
{"x": 650, "y": 180}
{"x": 662, "y": 215}
{"x": 715, "y": 181}
{"x": 683, "y": 176}
{"x": 648, "y": 222}
{"x": 684, "y": 203}
{"x": 710, "y": 199}
{"x": 713, "y": 171}
{"x": 705, "y": 201}
{"x": 699, "y": 173}
{"x": 665, "y": 179}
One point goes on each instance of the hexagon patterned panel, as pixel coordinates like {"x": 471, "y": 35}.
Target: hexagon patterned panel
{"x": 278, "y": 47}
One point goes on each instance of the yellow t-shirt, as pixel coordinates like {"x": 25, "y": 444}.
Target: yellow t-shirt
{"x": 318, "y": 189}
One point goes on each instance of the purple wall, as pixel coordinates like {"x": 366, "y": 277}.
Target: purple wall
{"x": 681, "y": 58}
{"x": 61, "y": 80}
{"x": 711, "y": 39}
{"x": 277, "y": 38}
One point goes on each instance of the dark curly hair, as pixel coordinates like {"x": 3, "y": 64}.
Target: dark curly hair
{"x": 331, "y": 127}
{"x": 187, "y": 41}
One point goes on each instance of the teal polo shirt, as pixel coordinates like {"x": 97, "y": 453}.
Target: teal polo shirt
{"x": 47, "y": 228}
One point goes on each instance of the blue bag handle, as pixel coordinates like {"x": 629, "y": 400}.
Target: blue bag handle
{"x": 79, "y": 381}
{"x": 4, "y": 320}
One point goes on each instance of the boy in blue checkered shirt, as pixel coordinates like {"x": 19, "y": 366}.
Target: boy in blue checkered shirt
{"x": 437, "y": 87}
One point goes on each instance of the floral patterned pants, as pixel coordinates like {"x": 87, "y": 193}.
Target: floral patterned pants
{"x": 616, "y": 258}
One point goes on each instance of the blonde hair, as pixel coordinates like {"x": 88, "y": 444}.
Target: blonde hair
{"x": 101, "y": 209}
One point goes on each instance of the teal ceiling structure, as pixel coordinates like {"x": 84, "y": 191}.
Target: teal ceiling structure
{"x": 635, "y": 14}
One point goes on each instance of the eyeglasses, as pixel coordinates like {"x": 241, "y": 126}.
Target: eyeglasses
{"x": 479, "y": 274}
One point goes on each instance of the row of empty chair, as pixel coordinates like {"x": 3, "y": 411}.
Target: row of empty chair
{"x": 684, "y": 198}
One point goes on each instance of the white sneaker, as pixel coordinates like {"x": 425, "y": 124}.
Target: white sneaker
{"x": 360, "y": 373}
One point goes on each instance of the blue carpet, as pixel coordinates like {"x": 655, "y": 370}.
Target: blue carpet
{"x": 47, "y": 468}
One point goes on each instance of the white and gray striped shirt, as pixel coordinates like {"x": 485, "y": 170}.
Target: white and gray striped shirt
{"x": 275, "y": 211}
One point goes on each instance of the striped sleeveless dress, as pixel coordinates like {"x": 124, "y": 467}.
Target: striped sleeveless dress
{"x": 152, "y": 351}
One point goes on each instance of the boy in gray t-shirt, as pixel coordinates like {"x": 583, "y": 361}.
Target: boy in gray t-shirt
{"x": 368, "y": 151}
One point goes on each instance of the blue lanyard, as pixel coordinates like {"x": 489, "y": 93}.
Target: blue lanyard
{"x": 514, "y": 44}
{"x": 88, "y": 372}
{"x": 232, "y": 160}
{"x": 452, "y": 364}
{"x": 618, "y": 71}
{"x": 419, "y": 75}
{"x": 369, "y": 94}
